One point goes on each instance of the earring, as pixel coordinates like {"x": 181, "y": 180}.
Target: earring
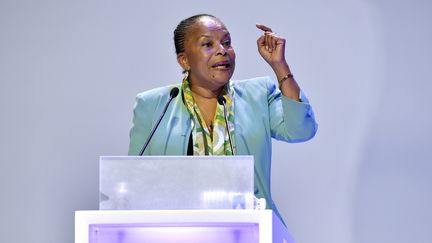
{"x": 186, "y": 73}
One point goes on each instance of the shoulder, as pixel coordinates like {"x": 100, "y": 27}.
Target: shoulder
{"x": 155, "y": 94}
{"x": 255, "y": 86}
{"x": 153, "y": 99}
{"x": 254, "y": 83}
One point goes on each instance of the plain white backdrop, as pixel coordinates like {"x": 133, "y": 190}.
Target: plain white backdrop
{"x": 69, "y": 72}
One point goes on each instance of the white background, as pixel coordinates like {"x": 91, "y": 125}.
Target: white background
{"x": 69, "y": 72}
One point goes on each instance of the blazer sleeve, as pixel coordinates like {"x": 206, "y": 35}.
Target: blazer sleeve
{"x": 290, "y": 120}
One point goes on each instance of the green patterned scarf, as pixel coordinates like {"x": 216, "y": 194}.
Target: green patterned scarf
{"x": 205, "y": 143}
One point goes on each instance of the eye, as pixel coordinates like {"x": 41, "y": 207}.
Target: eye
{"x": 227, "y": 43}
{"x": 207, "y": 44}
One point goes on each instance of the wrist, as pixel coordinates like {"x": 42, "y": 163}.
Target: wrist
{"x": 284, "y": 78}
{"x": 281, "y": 69}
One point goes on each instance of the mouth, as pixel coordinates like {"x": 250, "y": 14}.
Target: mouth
{"x": 223, "y": 66}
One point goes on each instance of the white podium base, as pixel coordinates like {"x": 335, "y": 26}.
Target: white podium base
{"x": 180, "y": 226}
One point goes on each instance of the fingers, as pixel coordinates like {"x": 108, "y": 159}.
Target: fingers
{"x": 273, "y": 40}
{"x": 261, "y": 40}
{"x": 268, "y": 42}
{"x": 268, "y": 39}
{"x": 270, "y": 45}
{"x": 263, "y": 28}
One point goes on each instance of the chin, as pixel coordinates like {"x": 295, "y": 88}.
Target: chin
{"x": 222, "y": 81}
{"x": 223, "y": 77}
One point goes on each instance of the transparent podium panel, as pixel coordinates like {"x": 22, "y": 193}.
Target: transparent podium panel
{"x": 176, "y": 182}
{"x": 172, "y": 233}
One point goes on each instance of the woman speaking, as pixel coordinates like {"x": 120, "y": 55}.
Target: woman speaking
{"x": 213, "y": 115}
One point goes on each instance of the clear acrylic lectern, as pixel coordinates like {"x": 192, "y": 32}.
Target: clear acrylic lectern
{"x": 182, "y": 199}
{"x": 176, "y": 182}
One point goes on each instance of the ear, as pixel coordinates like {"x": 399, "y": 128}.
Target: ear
{"x": 183, "y": 61}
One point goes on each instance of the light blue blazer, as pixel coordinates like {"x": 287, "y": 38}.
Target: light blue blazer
{"x": 261, "y": 112}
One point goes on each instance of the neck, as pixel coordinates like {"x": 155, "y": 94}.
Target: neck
{"x": 205, "y": 93}
{"x": 209, "y": 96}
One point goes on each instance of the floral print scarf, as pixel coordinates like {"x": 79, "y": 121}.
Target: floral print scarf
{"x": 216, "y": 143}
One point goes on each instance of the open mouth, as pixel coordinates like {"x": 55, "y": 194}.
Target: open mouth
{"x": 222, "y": 65}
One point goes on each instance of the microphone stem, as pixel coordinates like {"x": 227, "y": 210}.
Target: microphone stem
{"x": 155, "y": 127}
{"x": 228, "y": 129}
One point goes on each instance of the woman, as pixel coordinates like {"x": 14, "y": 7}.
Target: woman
{"x": 257, "y": 111}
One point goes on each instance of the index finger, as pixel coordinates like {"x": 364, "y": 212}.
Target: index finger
{"x": 263, "y": 28}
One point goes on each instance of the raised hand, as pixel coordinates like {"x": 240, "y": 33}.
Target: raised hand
{"x": 271, "y": 46}
{"x": 272, "y": 49}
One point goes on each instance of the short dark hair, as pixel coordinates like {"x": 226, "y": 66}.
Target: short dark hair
{"x": 180, "y": 30}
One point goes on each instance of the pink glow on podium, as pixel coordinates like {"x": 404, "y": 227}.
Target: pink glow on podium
{"x": 175, "y": 233}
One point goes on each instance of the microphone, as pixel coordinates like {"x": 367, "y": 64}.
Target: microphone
{"x": 173, "y": 93}
{"x": 222, "y": 101}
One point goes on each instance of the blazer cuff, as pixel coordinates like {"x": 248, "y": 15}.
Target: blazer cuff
{"x": 295, "y": 112}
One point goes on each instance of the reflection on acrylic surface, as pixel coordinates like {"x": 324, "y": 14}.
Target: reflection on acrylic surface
{"x": 227, "y": 200}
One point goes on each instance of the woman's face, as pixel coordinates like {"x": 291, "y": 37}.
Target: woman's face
{"x": 208, "y": 54}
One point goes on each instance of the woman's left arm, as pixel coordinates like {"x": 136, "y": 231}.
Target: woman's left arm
{"x": 294, "y": 120}
{"x": 272, "y": 49}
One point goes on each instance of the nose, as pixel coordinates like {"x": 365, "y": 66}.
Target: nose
{"x": 221, "y": 50}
